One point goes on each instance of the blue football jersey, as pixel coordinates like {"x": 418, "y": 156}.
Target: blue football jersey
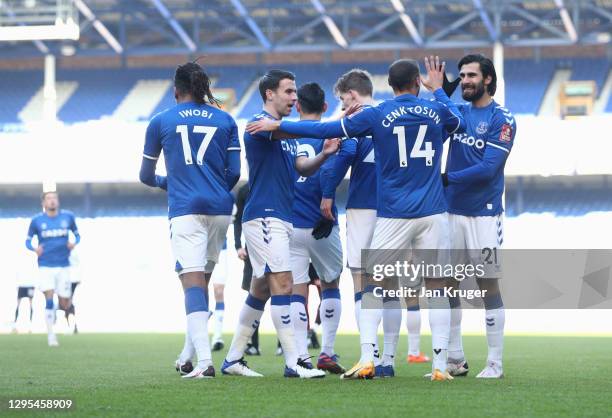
{"x": 358, "y": 155}
{"x": 308, "y": 192}
{"x": 195, "y": 139}
{"x": 52, "y": 233}
{"x": 271, "y": 175}
{"x": 476, "y": 160}
{"x": 408, "y": 135}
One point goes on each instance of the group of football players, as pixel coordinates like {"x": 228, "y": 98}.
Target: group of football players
{"x": 398, "y": 199}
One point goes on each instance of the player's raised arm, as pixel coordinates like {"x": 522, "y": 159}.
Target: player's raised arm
{"x": 152, "y": 149}
{"x": 453, "y": 119}
{"x": 308, "y": 166}
{"x": 499, "y": 143}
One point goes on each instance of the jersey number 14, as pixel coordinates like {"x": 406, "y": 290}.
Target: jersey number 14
{"x": 416, "y": 151}
{"x": 208, "y": 131}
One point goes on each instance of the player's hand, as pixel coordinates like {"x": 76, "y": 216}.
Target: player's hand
{"x": 352, "y": 109}
{"x": 435, "y": 73}
{"x": 40, "y": 250}
{"x": 322, "y": 229}
{"x": 242, "y": 254}
{"x": 326, "y": 208}
{"x": 331, "y": 146}
{"x": 263, "y": 125}
{"x": 70, "y": 246}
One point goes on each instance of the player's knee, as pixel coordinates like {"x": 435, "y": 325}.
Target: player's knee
{"x": 195, "y": 300}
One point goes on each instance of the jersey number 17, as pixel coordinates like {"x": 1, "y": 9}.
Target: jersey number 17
{"x": 208, "y": 131}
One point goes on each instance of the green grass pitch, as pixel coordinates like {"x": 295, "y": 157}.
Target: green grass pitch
{"x": 133, "y": 375}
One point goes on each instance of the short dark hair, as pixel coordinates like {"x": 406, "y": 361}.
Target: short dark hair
{"x": 272, "y": 79}
{"x": 356, "y": 79}
{"x": 486, "y": 68}
{"x": 403, "y": 74}
{"x": 44, "y": 194}
{"x": 190, "y": 78}
{"x": 311, "y": 98}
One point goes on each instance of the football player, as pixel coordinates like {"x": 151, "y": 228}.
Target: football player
{"x": 202, "y": 155}
{"x": 474, "y": 181}
{"x": 267, "y": 225}
{"x": 52, "y": 228}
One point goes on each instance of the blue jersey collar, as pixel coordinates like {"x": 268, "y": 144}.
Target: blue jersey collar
{"x": 405, "y": 97}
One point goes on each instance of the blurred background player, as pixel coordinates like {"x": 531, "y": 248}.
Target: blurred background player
{"x": 51, "y": 228}
{"x": 26, "y": 281}
{"x": 411, "y": 208}
{"x": 267, "y": 226}
{"x": 218, "y": 278}
{"x": 356, "y": 87}
{"x": 201, "y": 151}
{"x": 252, "y": 348}
{"x": 317, "y": 240}
{"x": 474, "y": 181}
{"x": 75, "y": 281}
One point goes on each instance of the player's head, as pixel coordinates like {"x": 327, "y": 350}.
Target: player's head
{"x": 50, "y": 201}
{"x": 404, "y": 77}
{"x": 478, "y": 77}
{"x": 277, "y": 89}
{"x": 192, "y": 83}
{"x": 311, "y": 100}
{"x": 353, "y": 87}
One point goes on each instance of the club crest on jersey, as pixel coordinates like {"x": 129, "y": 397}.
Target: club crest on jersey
{"x": 506, "y": 133}
{"x": 482, "y": 128}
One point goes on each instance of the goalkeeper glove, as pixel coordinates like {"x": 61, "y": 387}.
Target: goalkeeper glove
{"x": 323, "y": 228}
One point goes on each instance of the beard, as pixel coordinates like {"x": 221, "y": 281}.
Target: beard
{"x": 475, "y": 93}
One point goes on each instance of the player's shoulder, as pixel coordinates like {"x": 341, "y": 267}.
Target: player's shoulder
{"x": 38, "y": 216}
{"x": 67, "y": 213}
{"x": 259, "y": 116}
{"x": 501, "y": 114}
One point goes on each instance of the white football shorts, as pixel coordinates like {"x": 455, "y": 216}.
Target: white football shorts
{"x": 474, "y": 240}
{"x": 56, "y": 279}
{"x": 360, "y": 224}
{"x": 325, "y": 254}
{"x": 421, "y": 240}
{"x": 197, "y": 240}
{"x": 268, "y": 241}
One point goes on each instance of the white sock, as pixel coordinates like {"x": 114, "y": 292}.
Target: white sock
{"x": 300, "y": 324}
{"x": 413, "y": 325}
{"x": 439, "y": 321}
{"x": 392, "y": 322}
{"x": 250, "y": 315}
{"x": 369, "y": 319}
{"x": 188, "y": 349}
{"x": 495, "y": 320}
{"x": 50, "y": 319}
{"x": 218, "y": 317}
{"x": 455, "y": 343}
{"x": 281, "y": 317}
{"x": 330, "y": 311}
{"x": 197, "y": 328}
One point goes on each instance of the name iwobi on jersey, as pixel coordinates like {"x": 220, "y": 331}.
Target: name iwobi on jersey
{"x": 308, "y": 193}
{"x": 52, "y": 233}
{"x": 491, "y": 128}
{"x": 408, "y": 135}
{"x": 271, "y": 175}
{"x": 195, "y": 139}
